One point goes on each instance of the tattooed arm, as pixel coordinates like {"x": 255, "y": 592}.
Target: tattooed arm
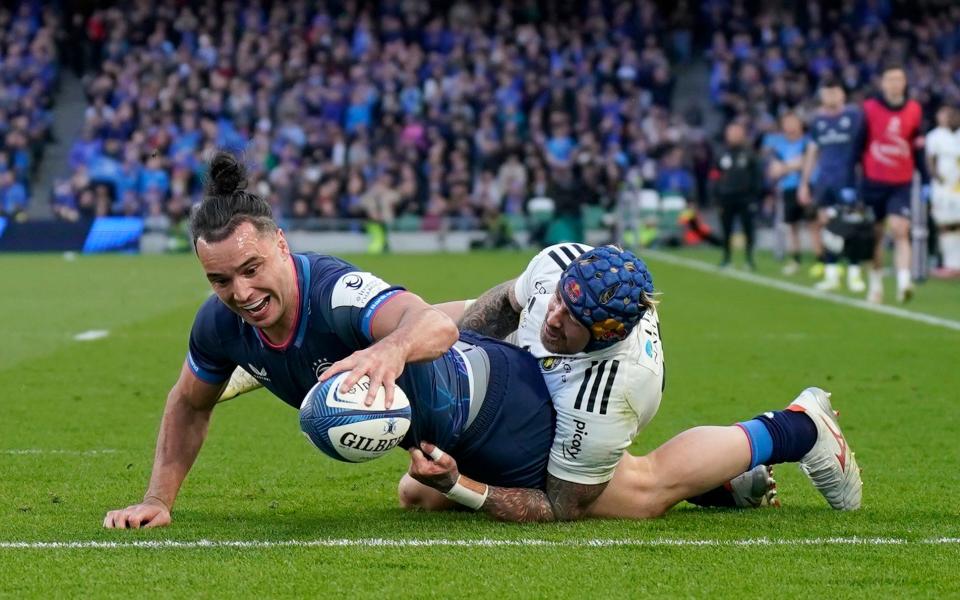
{"x": 496, "y": 313}
{"x": 562, "y": 501}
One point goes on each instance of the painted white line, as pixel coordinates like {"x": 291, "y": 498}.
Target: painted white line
{"x": 26, "y": 451}
{"x": 93, "y": 334}
{"x": 809, "y": 292}
{"x": 474, "y": 543}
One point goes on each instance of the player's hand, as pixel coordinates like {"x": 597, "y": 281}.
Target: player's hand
{"x": 803, "y": 195}
{"x": 382, "y": 362}
{"x": 149, "y": 513}
{"x": 440, "y": 473}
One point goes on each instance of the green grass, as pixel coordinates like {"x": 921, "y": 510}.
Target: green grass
{"x": 732, "y": 350}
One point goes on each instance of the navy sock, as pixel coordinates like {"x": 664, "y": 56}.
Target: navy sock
{"x": 719, "y": 497}
{"x": 778, "y": 437}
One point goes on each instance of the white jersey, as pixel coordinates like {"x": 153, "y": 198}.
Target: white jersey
{"x": 604, "y": 398}
{"x": 944, "y": 144}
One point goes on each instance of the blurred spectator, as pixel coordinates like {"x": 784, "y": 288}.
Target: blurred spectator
{"x": 737, "y": 188}
{"x": 28, "y": 75}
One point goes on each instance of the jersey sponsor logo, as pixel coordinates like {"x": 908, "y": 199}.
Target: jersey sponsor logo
{"x": 590, "y": 389}
{"x": 320, "y": 365}
{"x": 356, "y": 289}
{"x": 260, "y": 374}
{"x": 575, "y": 446}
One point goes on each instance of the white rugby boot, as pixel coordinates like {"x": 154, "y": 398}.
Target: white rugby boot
{"x": 830, "y": 464}
{"x": 855, "y": 281}
{"x": 240, "y": 382}
{"x": 755, "y": 488}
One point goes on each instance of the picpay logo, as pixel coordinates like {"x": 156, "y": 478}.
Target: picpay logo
{"x": 575, "y": 447}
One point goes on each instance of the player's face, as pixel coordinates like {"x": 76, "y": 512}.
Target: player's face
{"x": 893, "y": 84}
{"x": 792, "y": 126}
{"x": 251, "y": 273}
{"x": 561, "y": 333}
{"x": 832, "y": 98}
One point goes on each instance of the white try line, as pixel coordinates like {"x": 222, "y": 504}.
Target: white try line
{"x": 31, "y": 451}
{"x": 474, "y": 543}
{"x": 809, "y": 292}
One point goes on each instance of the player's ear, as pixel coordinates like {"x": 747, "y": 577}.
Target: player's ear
{"x": 282, "y": 243}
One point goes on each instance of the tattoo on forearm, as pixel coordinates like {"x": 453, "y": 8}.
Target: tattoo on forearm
{"x": 563, "y": 501}
{"x": 518, "y": 504}
{"x": 571, "y": 500}
{"x": 492, "y": 314}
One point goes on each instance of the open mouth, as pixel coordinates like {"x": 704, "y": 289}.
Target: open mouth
{"x": 257, "y": 308}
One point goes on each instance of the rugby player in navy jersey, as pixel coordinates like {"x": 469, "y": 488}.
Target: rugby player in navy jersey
{"x": 829, "y": 182}
{"x": 290, "y": 319}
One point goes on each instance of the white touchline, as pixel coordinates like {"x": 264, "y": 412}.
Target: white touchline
{"x": 475, "y": 543}
{"x": 90, "y": 335}
{"x": 27, "y": 451}
{"x": 786, "y": 286}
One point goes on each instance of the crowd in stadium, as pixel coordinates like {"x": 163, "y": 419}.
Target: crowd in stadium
{"x": 28, "y": 75}
{"x": 447, "y": 114}
{"x": 371, "y": 113}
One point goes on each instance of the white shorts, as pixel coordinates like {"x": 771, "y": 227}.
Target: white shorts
{"x": 946, "y": 205}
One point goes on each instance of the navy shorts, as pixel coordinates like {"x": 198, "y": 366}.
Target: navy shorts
{"x": 830, "y": 195}
{"x": 886, "y": 199}
{"x": 508, "y": 444}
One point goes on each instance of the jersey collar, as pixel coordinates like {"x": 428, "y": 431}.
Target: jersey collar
{"x": 301, "y": 269}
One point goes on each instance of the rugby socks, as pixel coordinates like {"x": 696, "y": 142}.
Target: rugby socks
{"x": 876, "y": 279}
{"x": 779, "y": 437}
{"x": 719, "y": 497}
{"x": 904, "y": 280}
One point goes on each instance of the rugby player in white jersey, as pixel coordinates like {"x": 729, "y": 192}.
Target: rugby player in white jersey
{"x": 589, "y": 316}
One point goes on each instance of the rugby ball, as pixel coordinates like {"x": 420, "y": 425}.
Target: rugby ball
{"x": 342, "y": 427}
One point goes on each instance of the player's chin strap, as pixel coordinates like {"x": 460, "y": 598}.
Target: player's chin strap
{"x": 469, "y": 493}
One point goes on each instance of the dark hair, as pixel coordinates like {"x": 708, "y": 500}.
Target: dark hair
{"x": 226, "y": 204}
{"x": 892, "y": 65}
{"x": 832, "y": 82}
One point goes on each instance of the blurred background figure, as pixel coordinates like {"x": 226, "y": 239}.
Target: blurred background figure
{"x": 943, "y": 157}
{"x": 737, "y": 189}
{"x": 785, "y": 150}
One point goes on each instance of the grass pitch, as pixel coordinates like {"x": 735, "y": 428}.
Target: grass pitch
{"x": 79, "y": 421}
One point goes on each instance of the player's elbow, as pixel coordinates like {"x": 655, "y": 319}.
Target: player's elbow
{"x": 447, "y": 331}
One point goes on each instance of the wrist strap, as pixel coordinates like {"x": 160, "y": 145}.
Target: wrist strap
{"x": 468, "y": 496}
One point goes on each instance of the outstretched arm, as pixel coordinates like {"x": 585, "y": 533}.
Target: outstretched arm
{"x": 182, "y": 433}
{"x": 496, "y": 313}
{"x": 562, "y": 500}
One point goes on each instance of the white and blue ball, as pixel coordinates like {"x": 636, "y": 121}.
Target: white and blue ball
{"x": 342, "y": 427}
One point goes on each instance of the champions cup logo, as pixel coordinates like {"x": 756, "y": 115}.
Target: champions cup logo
{"x": 572, "y": 289}
{"x": 353, "y": 282}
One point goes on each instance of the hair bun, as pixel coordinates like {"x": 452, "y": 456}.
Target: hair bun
{"x": 227, "y": 175}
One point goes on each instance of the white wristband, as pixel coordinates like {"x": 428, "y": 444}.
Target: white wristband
{"x": 461, "y": 494}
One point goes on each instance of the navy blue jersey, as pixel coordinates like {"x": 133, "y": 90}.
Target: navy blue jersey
{"x": 839, "y": 138}
{"x": 337, "y": 303}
